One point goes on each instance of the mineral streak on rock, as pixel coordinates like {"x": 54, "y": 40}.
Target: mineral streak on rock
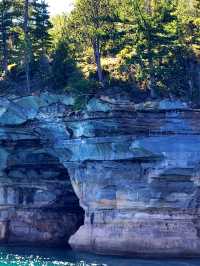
{"x": 37, "y": 201}
{"x": 138, "y": 180}
{"x": 135, "y": 169}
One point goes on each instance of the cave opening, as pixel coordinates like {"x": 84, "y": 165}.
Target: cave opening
{"x": 37, "y": 200}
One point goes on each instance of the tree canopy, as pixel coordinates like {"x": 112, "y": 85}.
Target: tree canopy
{"x": 148, "y": 45}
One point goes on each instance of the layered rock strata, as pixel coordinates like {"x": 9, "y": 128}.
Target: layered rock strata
{"x": 138, "y": 181}
{"x": 134, "y": 167}
{"x": 37, "y": 201}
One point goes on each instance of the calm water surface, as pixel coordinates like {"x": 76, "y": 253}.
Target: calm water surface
{"x": 60, "y": 257}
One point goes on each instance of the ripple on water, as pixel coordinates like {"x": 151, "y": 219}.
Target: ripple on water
{"x": 60, "y": 257}
{"x": 34, "y": 260}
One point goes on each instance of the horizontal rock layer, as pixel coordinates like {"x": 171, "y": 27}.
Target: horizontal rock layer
{"x": 138, "y": 180}
{"x": 134, "y": 167}
{"x": 37, "y": 201}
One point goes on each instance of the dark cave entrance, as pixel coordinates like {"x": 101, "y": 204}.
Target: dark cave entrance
{"x": 41, "y": 207}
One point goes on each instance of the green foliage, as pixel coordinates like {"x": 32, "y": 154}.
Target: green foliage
{"x": 156, "y": 44}
{"x": 93, "y": 22}
{"x": 151, "y": 44}
{"x": 6, "y": 24}
{"x": 82, "y": 88}
{"x": 13, "y": 42}
{"x": 63, "y": 65}
{"x": 60, "y": 30}
{"x": 39, "y": 28}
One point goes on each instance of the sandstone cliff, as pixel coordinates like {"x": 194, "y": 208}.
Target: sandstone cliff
{"x": 134, "y": 168}
{"x": 37, "y": 201}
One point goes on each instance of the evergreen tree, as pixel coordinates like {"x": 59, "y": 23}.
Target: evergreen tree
{"x": 156, "y": 45}
{"x": 91, "y": 19}
{"x": 193, "y": 25}
{"x": 160, "y": 38}
{"x": 63, "y": 66}
{"x": 40, "y": 26}
{"x": 16, "y": 40}
{"x": 6, "y": 24}
{"x": 27, "y": 44}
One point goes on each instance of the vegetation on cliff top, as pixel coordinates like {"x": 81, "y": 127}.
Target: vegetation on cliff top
{"x": 147, "y": 46}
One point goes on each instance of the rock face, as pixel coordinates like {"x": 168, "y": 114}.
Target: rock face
{"x": 138, "y": 179}
{"x": 37, "y": 201}
{"x": 135, "y": 169}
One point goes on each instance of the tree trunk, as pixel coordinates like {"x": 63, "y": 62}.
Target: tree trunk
{"x": 5, "y": 51}
{"x": 97, "y": 55}
{"x": 152, "y": 82}
{"x": 26, "y": 39}
{"x": 152, "y": 87}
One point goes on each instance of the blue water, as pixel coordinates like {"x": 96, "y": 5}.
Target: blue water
{"x": 61, "y": 257}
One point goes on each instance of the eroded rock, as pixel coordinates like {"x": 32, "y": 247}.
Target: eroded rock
{"x": 134, "y": 167}
{"x": 37, "y": 201}
{"x": 139, "y": 191}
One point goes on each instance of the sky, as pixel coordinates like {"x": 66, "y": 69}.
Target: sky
{"x": 59, "y": 6}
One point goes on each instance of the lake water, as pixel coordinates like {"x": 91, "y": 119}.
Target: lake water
{"x": 61, "y": 257}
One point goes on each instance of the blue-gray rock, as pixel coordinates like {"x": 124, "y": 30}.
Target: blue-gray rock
{"x": 133, "y": 168}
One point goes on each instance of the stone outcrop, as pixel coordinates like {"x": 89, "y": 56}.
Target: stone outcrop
{"x": 134, "y": 167}
{"x": 138, "y": 180}
{"x": 37, "y": 201}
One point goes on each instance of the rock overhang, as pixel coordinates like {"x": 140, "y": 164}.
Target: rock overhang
{"x": 134, "y": 168}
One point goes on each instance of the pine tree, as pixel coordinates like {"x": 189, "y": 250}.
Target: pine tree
{"x": 6, "y": 24}
{"x": 63, "y": 66}
{"x": 92, "y": 22}
{"x": 156, "y": 45}
{"x": 40, "y": 26}
{"x": 194, "y": 24}
{"x": 27, "y": 49}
